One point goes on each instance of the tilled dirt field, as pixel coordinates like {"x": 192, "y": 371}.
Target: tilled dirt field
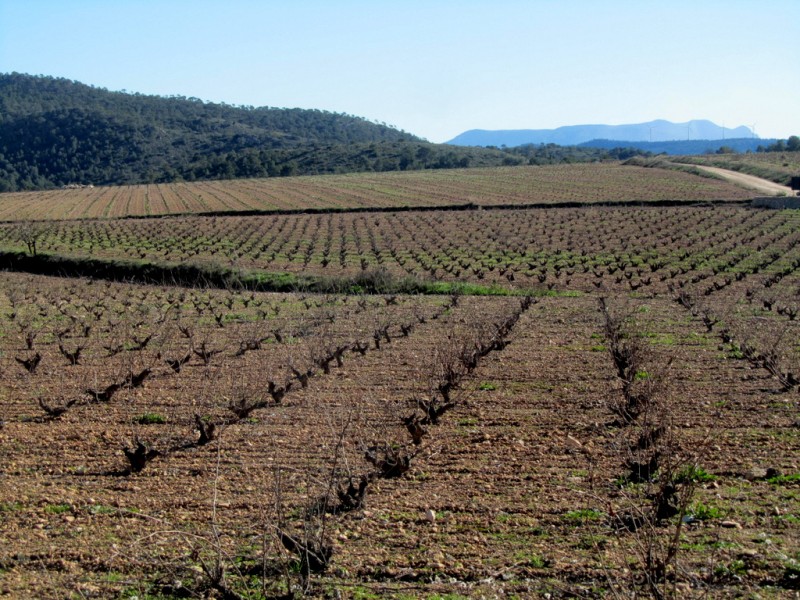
{"x": 517, "y": 489}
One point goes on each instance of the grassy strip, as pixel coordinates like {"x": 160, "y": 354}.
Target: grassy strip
{"x": 377, "y": 281}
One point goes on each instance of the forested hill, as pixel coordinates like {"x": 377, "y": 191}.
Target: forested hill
{"x": 55, "y": 132}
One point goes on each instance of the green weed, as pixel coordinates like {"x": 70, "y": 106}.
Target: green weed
{"x": 529, "y": 559}
{"x": 362, "y": 593}
{"x": 705, "y": 512}
{"x": 583, "y": 515}
{"x": 150, "y": 419}
{"x": 693, "y": 473}
{"x": 731, "y": 570}
{"x": 785, "y": 479}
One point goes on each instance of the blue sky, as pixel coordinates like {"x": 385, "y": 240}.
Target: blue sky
{"x": 433, "y": 68}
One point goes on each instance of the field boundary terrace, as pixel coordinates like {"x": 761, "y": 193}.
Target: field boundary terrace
{"x": 471, "y": 206}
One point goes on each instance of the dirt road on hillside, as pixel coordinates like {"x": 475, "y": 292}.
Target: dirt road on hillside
{"x": 750, "y": 181}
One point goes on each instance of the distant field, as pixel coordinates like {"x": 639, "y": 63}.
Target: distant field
{"x": 585, "y": 183}
{"x": 775, "y": 166}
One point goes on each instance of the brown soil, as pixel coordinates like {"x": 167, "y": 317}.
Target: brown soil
{"x": 521, "y": 476}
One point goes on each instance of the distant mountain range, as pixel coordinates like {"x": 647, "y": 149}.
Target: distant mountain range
{"x": 573, "y": 135}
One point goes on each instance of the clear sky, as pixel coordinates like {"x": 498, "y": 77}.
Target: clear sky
{"x": 434, "y": 68}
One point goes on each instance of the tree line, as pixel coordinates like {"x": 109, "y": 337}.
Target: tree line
{"x": 56, "y": 132}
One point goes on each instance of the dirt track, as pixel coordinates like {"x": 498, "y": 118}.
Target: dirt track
{"x": 750, "y": 181}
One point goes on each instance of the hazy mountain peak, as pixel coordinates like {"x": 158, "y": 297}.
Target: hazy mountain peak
{"x": 659, "y": 130}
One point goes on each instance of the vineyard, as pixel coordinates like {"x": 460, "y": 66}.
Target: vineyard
{"x": 622, "y": 249}
{"x": 582, "y": 183}
{"x": 613, "y": 413}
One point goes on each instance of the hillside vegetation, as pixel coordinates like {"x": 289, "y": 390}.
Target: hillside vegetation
{"x": 694, "y": 147}
{"x": 56, "y": 132}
